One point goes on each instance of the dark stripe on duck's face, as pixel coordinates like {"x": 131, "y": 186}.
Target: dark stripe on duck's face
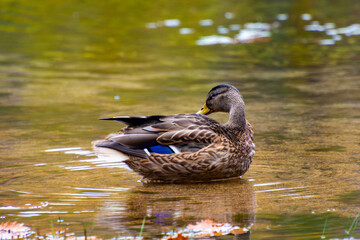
{"x": 214, "y": 94}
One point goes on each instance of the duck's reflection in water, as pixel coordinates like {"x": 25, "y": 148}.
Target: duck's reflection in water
{"x": 170, "y": 207}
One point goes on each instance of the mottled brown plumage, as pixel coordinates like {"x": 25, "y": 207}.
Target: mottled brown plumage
{"x": 203, "y": 149}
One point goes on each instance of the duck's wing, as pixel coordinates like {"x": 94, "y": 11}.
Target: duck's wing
{"x": 186, "y": 129}
{"x": 189, "y": 132}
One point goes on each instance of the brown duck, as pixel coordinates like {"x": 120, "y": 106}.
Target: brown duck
{"x": 188, "y": 147}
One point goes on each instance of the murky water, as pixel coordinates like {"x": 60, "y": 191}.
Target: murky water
{"x": 66, "y": 64}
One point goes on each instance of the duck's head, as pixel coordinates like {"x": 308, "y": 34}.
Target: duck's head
{"x": 222, "y": 98}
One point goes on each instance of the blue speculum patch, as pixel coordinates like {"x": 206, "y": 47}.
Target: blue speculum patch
{"x": 161, "y": 149}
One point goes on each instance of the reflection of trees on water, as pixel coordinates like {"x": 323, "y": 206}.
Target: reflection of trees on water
{"x": 167, "y": 207}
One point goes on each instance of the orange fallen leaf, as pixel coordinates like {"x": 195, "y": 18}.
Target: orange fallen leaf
{"x": 237, "y": 231}
{"x": 179, "y": 236}
{"x": 217, "y": 234}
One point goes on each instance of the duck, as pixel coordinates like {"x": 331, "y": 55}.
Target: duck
{"x": 187, "y": 147}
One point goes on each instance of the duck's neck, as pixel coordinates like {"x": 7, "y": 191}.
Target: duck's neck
{"x": 237, "y": 120}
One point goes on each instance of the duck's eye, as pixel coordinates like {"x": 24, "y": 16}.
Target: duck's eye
{"x": 214, "y": 94}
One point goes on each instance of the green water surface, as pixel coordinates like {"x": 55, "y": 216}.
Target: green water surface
{"x": 64, "y": 64}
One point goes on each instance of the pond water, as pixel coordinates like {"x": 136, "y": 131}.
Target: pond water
{"x": 64, "y": 64}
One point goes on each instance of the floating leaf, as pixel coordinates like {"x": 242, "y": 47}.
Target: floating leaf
{"x": 205, "y": 224}
{"x": 179, "y": 236}
{"x": 11, "y": 230}
{"x": 207, "y": 228}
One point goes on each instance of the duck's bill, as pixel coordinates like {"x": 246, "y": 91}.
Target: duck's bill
{"x": 204, "y": 110}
